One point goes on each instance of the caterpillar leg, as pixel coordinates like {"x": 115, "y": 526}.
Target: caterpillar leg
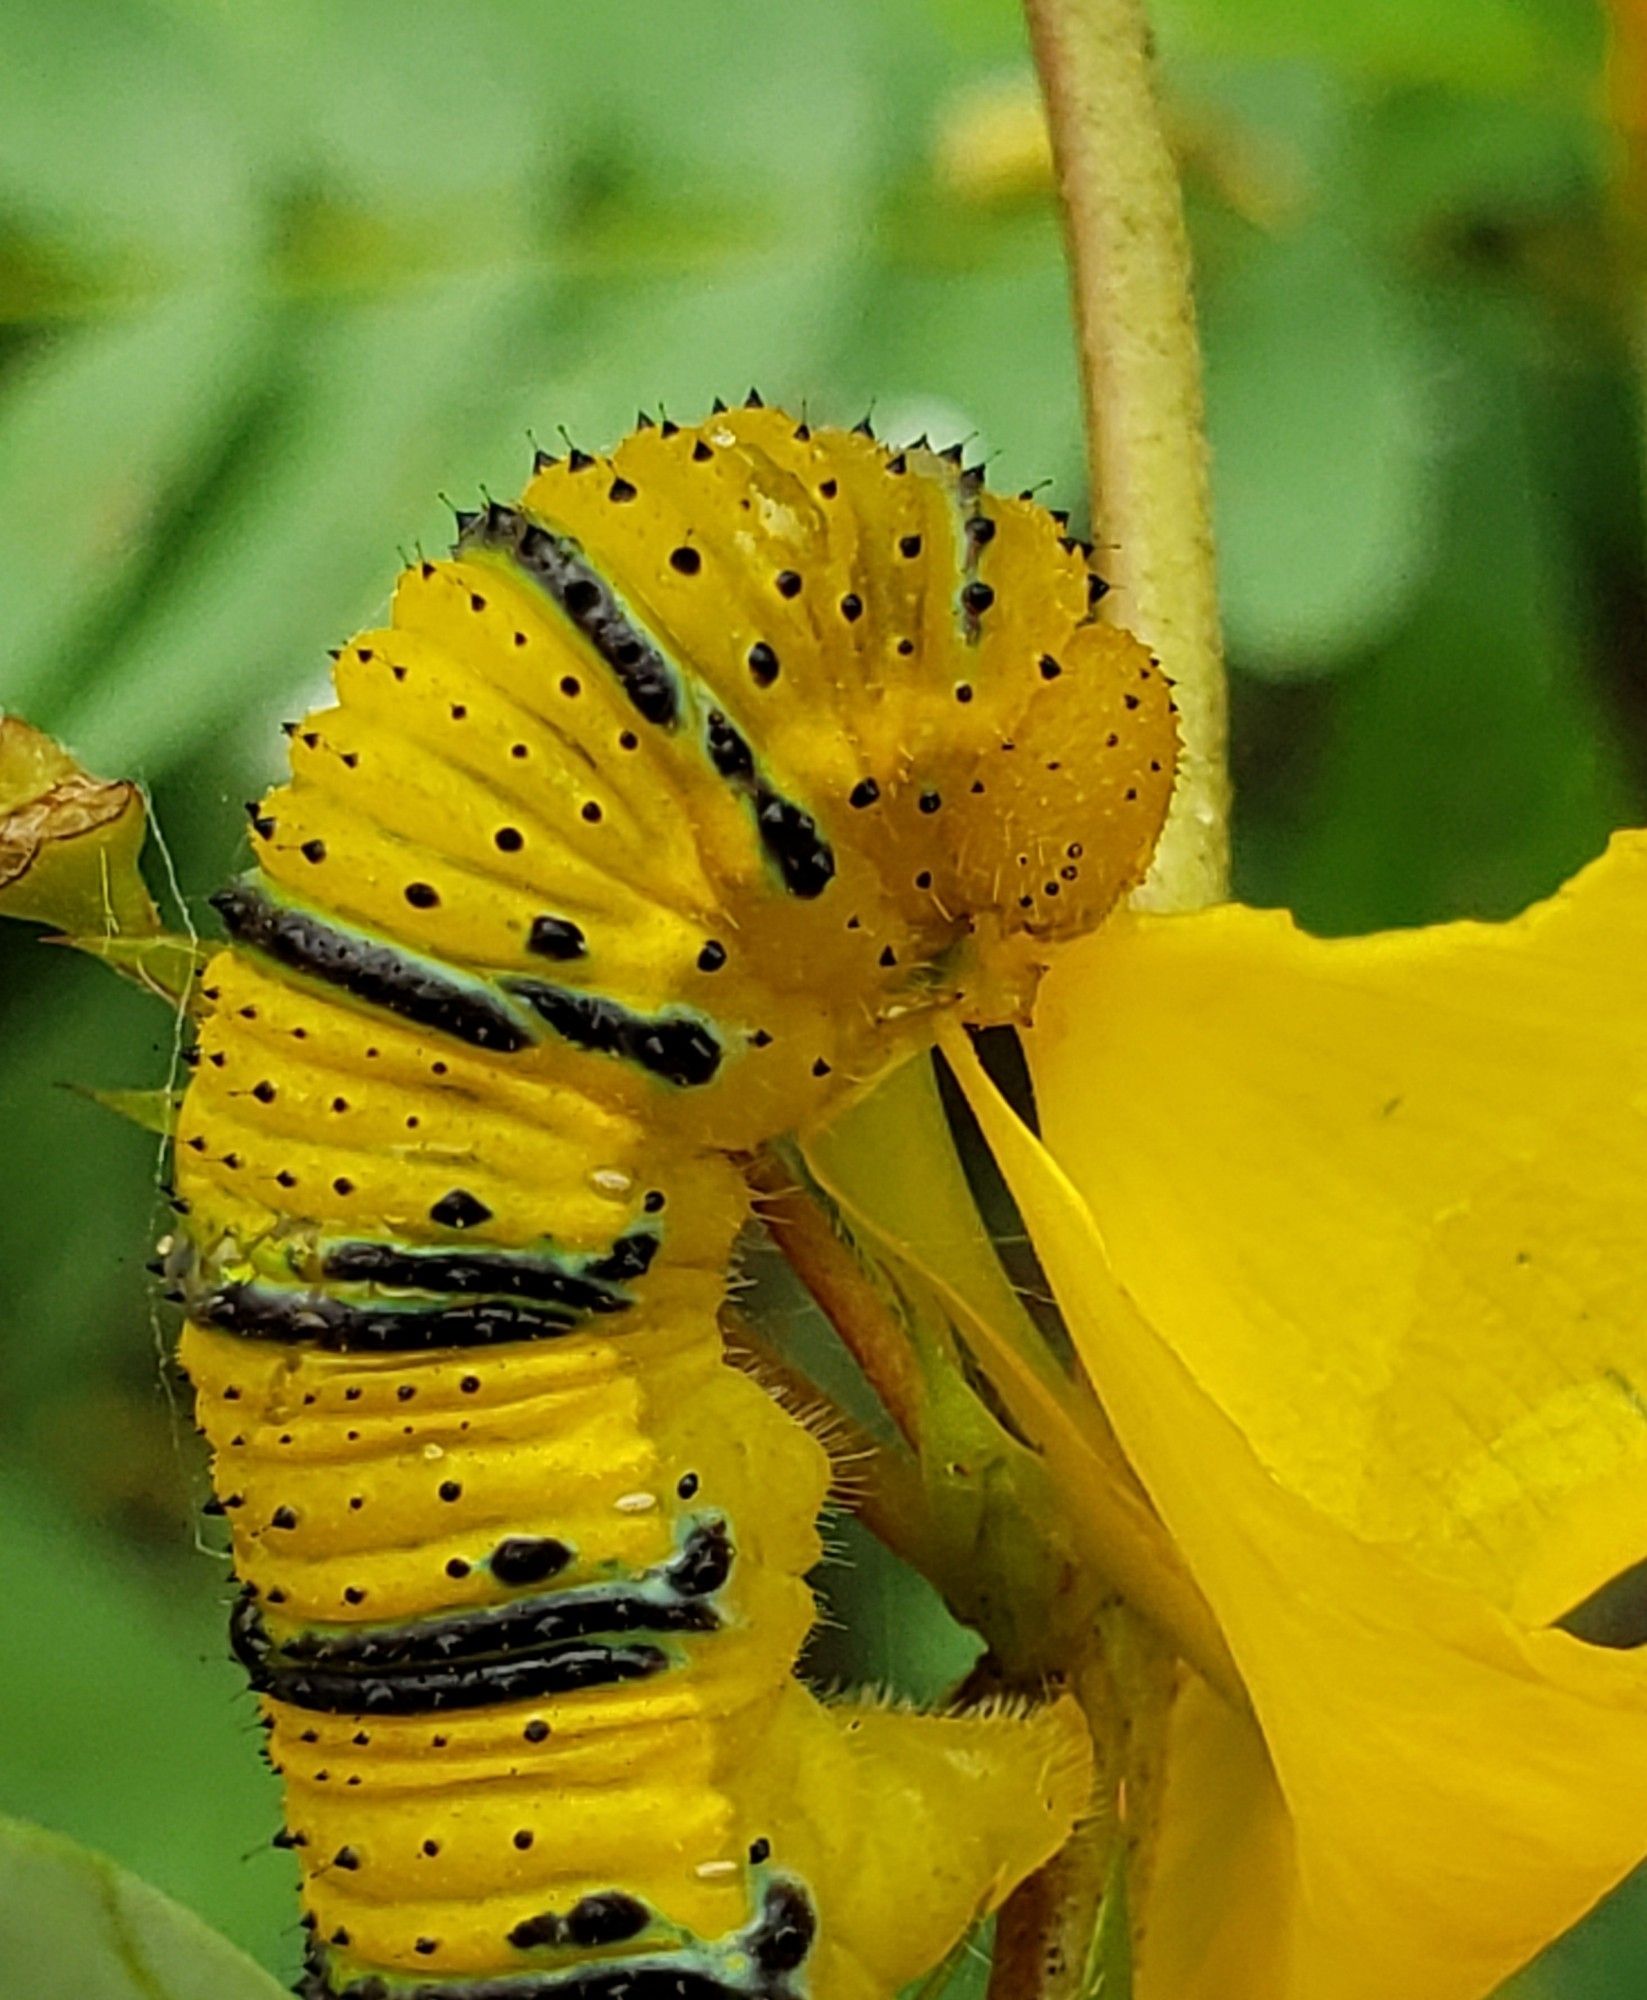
{"x": 571, "y": 1731}
{"x": 797, "y": 1847}
{"x": 909, "y": 1827}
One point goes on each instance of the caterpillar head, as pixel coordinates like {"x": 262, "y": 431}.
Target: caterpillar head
{"x": 1031, "y": 784}
{"x": 1060, "y": 819}
{"x": 917, "y": 665}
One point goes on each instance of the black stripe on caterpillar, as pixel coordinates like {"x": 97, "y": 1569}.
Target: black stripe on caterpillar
{"x": 776, "y": 745}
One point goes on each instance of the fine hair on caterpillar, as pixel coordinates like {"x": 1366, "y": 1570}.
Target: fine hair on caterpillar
{"x": 675, "y": 806}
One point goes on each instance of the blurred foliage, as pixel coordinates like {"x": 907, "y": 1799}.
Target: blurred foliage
{"x": 271, "y": 278}
{"x": 81, "y": 1929}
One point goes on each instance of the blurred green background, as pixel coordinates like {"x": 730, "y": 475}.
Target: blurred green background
{"x": 273, "y": 279}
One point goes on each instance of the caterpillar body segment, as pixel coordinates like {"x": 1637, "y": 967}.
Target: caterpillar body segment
{"x": 671, "y": 809}
{"x": 894, "y": 1830}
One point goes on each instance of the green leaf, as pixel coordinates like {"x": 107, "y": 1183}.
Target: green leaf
{"x": 102, "y": 432}
{"x": 89, "y": 165}
{"x": 375, "y": 404}
{"x": 447, "y": 120}
{"x": 73, "y": 1926}
{"x": 1324, "y": 456}
{"x": 126, "y": 1722}
{"x": 1109, "y": 1969}
{"x": 1540, "y": 47}
{"x": 1470, "y": 765}
{"x": 150, "y": 1110}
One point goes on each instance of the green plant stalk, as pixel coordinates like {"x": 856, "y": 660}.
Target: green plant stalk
{"x": 901, "y": 1317}
{"x": 1147, "y": 460}
{"x": 980, "y": 1519}
{"x": 1141, "y": 384}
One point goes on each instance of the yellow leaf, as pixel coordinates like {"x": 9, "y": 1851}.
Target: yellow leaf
{"x": 68, "y": 842}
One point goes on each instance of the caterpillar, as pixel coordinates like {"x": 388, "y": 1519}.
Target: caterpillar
{"x": 673, "y": 808}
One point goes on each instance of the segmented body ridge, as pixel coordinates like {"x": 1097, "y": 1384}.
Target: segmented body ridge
{"x": 670, "y": 809}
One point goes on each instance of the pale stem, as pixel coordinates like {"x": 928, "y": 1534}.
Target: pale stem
{"x": 1147, "y": 462}
{"x": 1141, "y": 377}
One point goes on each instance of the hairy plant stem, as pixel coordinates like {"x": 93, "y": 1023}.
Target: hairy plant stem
{"x": 1044, "y": 1934}
{"x": 1023, "y": 1543}
{"x": 965, "y": 1503}
{"x": 881, "y": 1483}
{"x": 832, "y": 1272}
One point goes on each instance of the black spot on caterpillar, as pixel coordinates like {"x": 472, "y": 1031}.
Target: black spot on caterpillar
{"x": 528, "y": 1558}
{"x": 612, "y": 1918}
{"x": 554, "y": 937}
{"x": 701, "y": 744}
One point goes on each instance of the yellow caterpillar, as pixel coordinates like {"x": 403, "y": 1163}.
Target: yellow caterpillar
{"x": 673, "y": 808}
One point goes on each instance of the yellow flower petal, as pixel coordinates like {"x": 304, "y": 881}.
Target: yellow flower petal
{"x": 1458, "y": 1791}
{"x": 890, "y": 1165}
{"x": 889, "y": 1155}
{"x": 1383, "y": 1198}
{"x": 1218, "y": 1915}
